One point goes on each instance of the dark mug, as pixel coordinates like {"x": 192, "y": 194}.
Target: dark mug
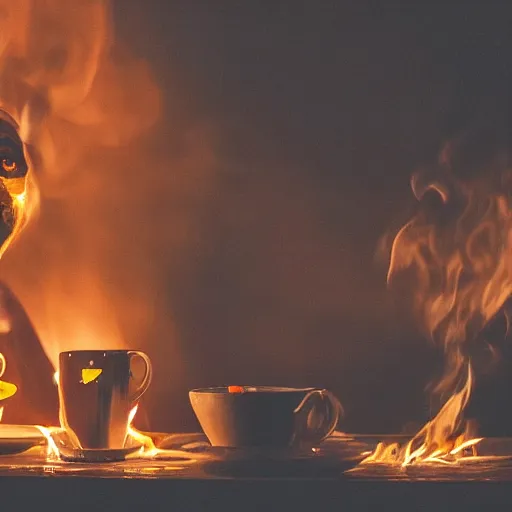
{"x": 97, "y": 391}
{"x": 264, "y": 416}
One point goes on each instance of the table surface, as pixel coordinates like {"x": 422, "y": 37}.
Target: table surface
{"x": 188, "y": 475}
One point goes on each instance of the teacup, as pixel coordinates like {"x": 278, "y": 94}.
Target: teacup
{"x": 97, "y": 391}
{"x": 265, "y": 416}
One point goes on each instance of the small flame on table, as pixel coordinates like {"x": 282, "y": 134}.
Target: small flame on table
{"x": 435, "y": 442}
{"x": 148, "y": 448}
{"x": 452, "y": 261}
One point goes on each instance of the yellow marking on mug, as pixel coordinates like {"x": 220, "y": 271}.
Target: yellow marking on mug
{"x": 90, "y": 374}
{"x": 7, "y": 390}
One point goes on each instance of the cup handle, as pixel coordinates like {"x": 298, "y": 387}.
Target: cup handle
{"x": 3, "y": 364}
{"x": 316, "y": 417}
{"x": 147, "y": 377}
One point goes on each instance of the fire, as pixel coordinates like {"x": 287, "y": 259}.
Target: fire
{"x": 58, "y": 443}
{"x": 101, "y": 181}
{"x": 20, "y": 212}
{"x": 438, "y": 440}
{"x": 148, "y": 448}
{"x": 76, "y": 96}
{"x": 83, "y": 105}
{"x": 456, "y": 255}
{"x": 52, "y": 451}
{"x": 57, "y": 439}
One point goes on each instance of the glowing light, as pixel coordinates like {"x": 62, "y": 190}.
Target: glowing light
{"x": 148, "y": 447}
{"x": 21, "y": 198}
{"x": 52, "y": 451}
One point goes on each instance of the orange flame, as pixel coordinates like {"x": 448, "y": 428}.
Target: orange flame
{"x": 52, "y": 451}
{"x": 58, "y": 437}
{"x": 22, "y": 211}
{"x": 77, "y": 97}
{"x": 58, "y": 441}
{"x": 457, "y": 259}
{"x": 148, "y": 447}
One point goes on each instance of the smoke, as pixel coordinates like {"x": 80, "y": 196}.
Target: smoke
{"x": 451, "y": 261}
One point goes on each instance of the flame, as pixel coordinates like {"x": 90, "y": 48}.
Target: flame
{"x": 457, "y": 259}
{"x": 59, "y": 441}
{"x": 77, "y": 95}
{"x": 22, "y": 207}
{"x": 58, "y": 438}
{"x": 148, "y": 448}
{"x": 437, "y": 441}
{"x": 52, "y": 451}
{"x": 99, "y": 197}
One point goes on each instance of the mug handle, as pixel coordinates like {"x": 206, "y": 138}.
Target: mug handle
{"x": 320, "y": 402}
{"x": 147, "y": 377}
{"x": 3, "y": 364}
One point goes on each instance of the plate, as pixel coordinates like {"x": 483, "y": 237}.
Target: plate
{"x": 97, "y": 455}
{"x": 19, "y": 438}
{"x": 313, "y": 463}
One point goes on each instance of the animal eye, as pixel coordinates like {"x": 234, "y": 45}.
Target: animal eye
{"x": 9, "y": 165}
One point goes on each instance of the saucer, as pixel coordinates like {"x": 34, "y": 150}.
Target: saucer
{"x": 284, "y": 463}
{"x": 19, "y": 438}
{"x": 14, "y": 445}
{"x": 96, "y": 455}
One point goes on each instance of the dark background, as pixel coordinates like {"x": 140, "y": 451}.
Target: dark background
{"x": 315, "y": 113}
